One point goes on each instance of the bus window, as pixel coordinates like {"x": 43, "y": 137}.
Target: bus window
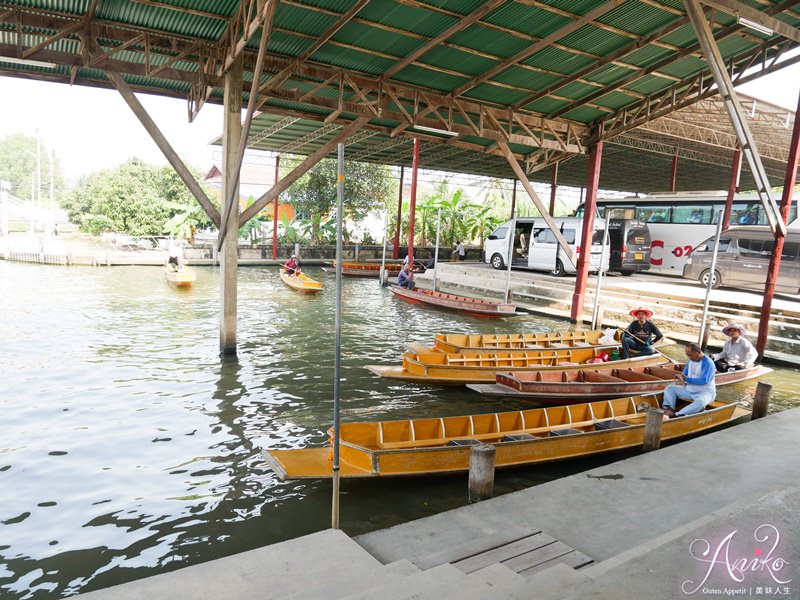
{"x": 692, "y": 214}
{"x": 653, "y": 215}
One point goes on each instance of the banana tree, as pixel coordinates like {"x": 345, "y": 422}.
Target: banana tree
{"x": 184, "y": 224}
{"x": 481, "y": 221}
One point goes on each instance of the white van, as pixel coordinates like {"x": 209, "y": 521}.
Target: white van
{"x": 535, "y": 246}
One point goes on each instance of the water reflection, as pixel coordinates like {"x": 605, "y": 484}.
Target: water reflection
{"x": 128, "y": 447}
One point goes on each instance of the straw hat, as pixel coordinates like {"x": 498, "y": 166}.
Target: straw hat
{"x": 636, "y": 311}
{"x": 728, "y": 328}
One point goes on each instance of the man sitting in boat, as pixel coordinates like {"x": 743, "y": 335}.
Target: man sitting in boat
{"x": 174, "y": 260}
{"x": 641, "y": 335}
{"x": 737, "y": 353}
{"x": 292, "y": 265}
{"x": 406, "y": 277}
{"x": 696, "y": 383}
{"x": 431, "y": 262}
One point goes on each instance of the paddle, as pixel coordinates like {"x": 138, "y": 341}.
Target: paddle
{"x": 641, "y": 341}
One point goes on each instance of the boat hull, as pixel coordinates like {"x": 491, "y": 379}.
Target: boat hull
{"x": 461, "y": 304}
{"x": 603, "y": 386}
{"x": 301, "y": 283}
{"x": 362, "y": 269}
{"x": 182, "y": 278}
{"x": 515, "y": 446}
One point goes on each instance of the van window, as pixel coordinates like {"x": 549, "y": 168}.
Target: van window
{"x": 636, "y": 237}
{"x": 708, "y": 245}
{"x": 545, "y": 236}
{"x": 499, "y": 233}
{"x": 791, "y": 251}
{"x": 751, "y": 248}
{"x": 597, "y": 237}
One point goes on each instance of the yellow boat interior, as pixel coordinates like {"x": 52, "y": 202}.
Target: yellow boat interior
{"x": 519, "y": 340}
{"x": 474, "y": 358}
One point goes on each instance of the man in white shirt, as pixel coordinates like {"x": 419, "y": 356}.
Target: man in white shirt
{"x": 737, "y": 353}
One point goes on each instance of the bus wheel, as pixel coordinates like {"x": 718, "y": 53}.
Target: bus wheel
{"x": 715, "y": 283}
{"x": 497, "y": 261}
{"x": 559, "y": 269}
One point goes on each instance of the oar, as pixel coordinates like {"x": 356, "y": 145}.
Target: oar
{"x": 641, "y": 341}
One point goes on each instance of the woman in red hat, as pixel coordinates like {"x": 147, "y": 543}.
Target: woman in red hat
{"x": 640, "y": 335}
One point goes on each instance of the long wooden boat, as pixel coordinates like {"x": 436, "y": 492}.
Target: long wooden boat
{"x": 438, "y": 368}
{"x": 571, "y": 387}
{"x": 457, "y": 342}
{"x": 363, "y": 269}
{"x": 301, "y": 282}
{"x": 180, "y": 277}
{"x": 436, "y": 446}
{"x": 461, "y": 304}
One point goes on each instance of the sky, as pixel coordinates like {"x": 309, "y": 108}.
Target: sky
{"x": 93, "y": 129}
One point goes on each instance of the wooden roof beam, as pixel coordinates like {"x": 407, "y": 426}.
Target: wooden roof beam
{"x": 737, "y": 9}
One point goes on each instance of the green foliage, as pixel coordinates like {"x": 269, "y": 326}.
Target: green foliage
{"x": 185, "y": 223}
{"x": 366, "y": 187}
{"x": 137, "y": 198}
{"x": 18, "y": 166}
{"x": 96, "y": 224}
{"x": 291, "y": 232}
{"x": 481, "y": 222}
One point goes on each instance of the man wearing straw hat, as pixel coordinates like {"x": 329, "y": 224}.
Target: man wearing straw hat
{"x": 640, "y": 335}
{"x": 737, "y": 353}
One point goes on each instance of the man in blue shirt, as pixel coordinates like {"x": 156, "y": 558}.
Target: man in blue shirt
{"x": 696, "y": 384}
{"x": 406, "y": 277}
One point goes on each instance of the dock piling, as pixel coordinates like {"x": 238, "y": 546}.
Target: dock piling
{"x": 652, "y": 429}
{"x": 761, "y": 400}
{"x": 481, "y": 472}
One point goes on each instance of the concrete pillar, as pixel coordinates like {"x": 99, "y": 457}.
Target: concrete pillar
{"x": 229, "y": 260}
{"x": 586, "y": 236}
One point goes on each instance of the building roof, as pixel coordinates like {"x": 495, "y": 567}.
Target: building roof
{"x": 545, "y": 77}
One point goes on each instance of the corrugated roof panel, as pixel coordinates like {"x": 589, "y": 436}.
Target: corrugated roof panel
{"x": 495, "y": 94}
{"x": 287, "y": 44}
{"x": 609, "y": 74}
{"x": 637, "y": 17}
{"x": 352, "y": 59}
{"x": 442, "y": 82}
{"x": 576, "y": 90}
{"x": 489, "y": 40}
{"x": 450, "y": 58}
{"x": 395, "y": 44}
{"x": 162, "y": 19}
{"x": 526, "y": 78}
{"x": 410, "y": 18}
{"x": 685, "y": 67}
{"x": 529, "y": 20}
{"x": 584, "y": 114}
{"x": 594, "y": 41}
{"x": 615, "y": 100}
{"x": 648, "y": 55}
{"x": 560, "y": 61}
{"x": 650, "y": 84}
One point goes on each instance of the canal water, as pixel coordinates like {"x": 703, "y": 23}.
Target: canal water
{"x": 128, "y": 448}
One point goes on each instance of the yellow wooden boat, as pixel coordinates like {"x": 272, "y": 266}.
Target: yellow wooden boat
{"x": 179, "y": 276}
{"x": 456, "y": 342}
{"x": 439, "y": 368}
{"x": 301, "y": 282}
{"x": 436, "y": 446}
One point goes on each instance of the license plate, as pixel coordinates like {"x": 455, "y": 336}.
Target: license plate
{"x": 638, "y": 256}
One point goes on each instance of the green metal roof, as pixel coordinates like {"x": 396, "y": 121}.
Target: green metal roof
{"x": 544, "y": 75}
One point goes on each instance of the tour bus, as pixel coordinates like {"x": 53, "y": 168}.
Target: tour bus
{"x": 535, "y": 246}
{"x": 679, "y": 221}
{"x": 743, "y": 260}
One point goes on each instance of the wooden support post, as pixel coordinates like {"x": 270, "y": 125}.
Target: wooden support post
{"x": 733, "y": 186}
{"x": 584, "y": 258}
{"x": 761, "y": 400}
{"x": 413, "y": 206}
{"x": 553, "y": 188}
{"x": 275, "y": 210}
{"x": 514, "y": 199}
{"x": 481, "y": 472}
{"x": 652, "y": 429}
{"x": 229, "y": 259}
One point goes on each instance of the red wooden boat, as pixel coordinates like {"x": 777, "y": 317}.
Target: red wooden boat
{"x": 364, "y": 269}
{"x": 572, "y": 387}
{"x": 461, "y": 304}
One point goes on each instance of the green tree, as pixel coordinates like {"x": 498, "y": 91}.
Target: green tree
{"x": 137, "y": 198}
{"x": 18, "y": 166}
{"x": 480, "y": 222}
{"x": 366, "y": 187}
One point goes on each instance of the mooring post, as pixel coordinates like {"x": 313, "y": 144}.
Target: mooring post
{"x": 481, "y": 472}
{"x": 652, "y": 429}
{"x": 761, "y": 400}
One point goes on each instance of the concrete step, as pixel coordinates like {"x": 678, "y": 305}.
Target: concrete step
{"x": 264, "y": 573}
{"x": 407, "y": 586}
{"x": 479, "y": 585}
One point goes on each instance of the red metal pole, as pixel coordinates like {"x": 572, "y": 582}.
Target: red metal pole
{"x": 588, "y": 229}
{"x": 275, "y": 211}
{"x": 396, "y": 247}
{"x": 673, "y": 181}
{"x": 413, "y": 207}
{"x": 732, "y": 186}
{"x": 553, "y": 186}
{"x": 775, "y": 260}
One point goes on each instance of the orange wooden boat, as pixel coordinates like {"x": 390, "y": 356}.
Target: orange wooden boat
{"x": 439, "y": 368}
{"x": 301, "y": 282}
{"x": 437, "y": 446}
{"x": 462, "y": 304}
{"x": 571, "y": 387}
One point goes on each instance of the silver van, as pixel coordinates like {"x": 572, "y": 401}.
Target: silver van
{"x": 535, "y": 247}
{"x": 743, "y": 260}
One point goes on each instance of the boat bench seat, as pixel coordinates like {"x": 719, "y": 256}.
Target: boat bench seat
{"x": 502, "y": 435}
